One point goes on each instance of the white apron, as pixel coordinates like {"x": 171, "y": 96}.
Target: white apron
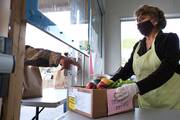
{"x": 166, "y": 96}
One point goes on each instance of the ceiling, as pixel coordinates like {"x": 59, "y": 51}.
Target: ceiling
{"x": 54, "y": 5}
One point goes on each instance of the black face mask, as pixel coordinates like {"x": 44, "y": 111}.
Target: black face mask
{"x": 145, "y": 27}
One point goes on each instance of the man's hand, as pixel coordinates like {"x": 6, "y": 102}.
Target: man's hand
{"x": 65, "y": 62}
{"x": 126, "y": 92}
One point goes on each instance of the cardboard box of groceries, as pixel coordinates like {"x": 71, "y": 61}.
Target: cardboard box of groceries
{"x": 89, "y": 102}
{"x": 96, "y": 103}
{"x": 115, "y": 106}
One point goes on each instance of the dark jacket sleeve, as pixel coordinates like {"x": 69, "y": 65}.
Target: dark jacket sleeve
{"x": 41, "y": 57}
{"x": 126, "y": 71}
{"x": 168, "y": 66}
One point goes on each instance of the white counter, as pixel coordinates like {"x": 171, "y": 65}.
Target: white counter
{"x": 137, "y": 114}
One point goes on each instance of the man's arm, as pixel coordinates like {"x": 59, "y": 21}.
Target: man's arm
{"x": 46, "y": 58}
{"x": 41, "y": 57}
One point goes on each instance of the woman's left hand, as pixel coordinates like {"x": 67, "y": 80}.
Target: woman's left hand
{"x": 126, "y": 92}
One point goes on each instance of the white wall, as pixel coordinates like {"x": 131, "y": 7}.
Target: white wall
{"x": 116, "y": 9}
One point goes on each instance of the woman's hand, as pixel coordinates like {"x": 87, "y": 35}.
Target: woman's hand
{"x": 126, "y": 92}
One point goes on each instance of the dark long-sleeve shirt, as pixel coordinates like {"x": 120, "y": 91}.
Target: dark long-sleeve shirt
{"x": 167, "y": 49}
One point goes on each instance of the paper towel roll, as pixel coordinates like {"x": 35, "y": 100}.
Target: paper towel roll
{"x": 4, "y": 17}
{"x": 7, "y": 63}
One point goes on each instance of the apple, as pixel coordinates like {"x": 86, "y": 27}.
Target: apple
{"x": 101, "y": 85}
{"x": 90, "y": 85}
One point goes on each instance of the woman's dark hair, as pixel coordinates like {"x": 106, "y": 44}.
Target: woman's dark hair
{"x": 154, "y": 12}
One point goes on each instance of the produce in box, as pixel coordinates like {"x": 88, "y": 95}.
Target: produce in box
{"x": 119, "y": 83}
{"x": 91, "y": 85}
{"x": 105, "y": 83}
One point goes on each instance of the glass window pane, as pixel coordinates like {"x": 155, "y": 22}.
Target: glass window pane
{"x": 130, "y": 35}
{"x": 39, "y": 39}
{"x": 96, "y": 28}
{"x": 172, "y": 26}
{"x": 71, "y": 17}
{"x": 95, "y": 38}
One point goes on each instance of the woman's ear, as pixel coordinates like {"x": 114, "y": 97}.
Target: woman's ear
{"x": 154, "y": 22}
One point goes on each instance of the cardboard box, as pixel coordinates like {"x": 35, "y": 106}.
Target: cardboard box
{"x": 96, "y": 103}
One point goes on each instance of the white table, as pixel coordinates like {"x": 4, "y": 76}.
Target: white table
{"x": 137, "y": 114}
{"x": 51, "y": 98}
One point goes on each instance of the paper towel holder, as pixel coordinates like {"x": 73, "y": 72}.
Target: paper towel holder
{"x": 7, "y": 63}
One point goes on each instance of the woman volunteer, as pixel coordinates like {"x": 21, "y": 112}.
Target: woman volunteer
{"x": 155, "y": 62}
